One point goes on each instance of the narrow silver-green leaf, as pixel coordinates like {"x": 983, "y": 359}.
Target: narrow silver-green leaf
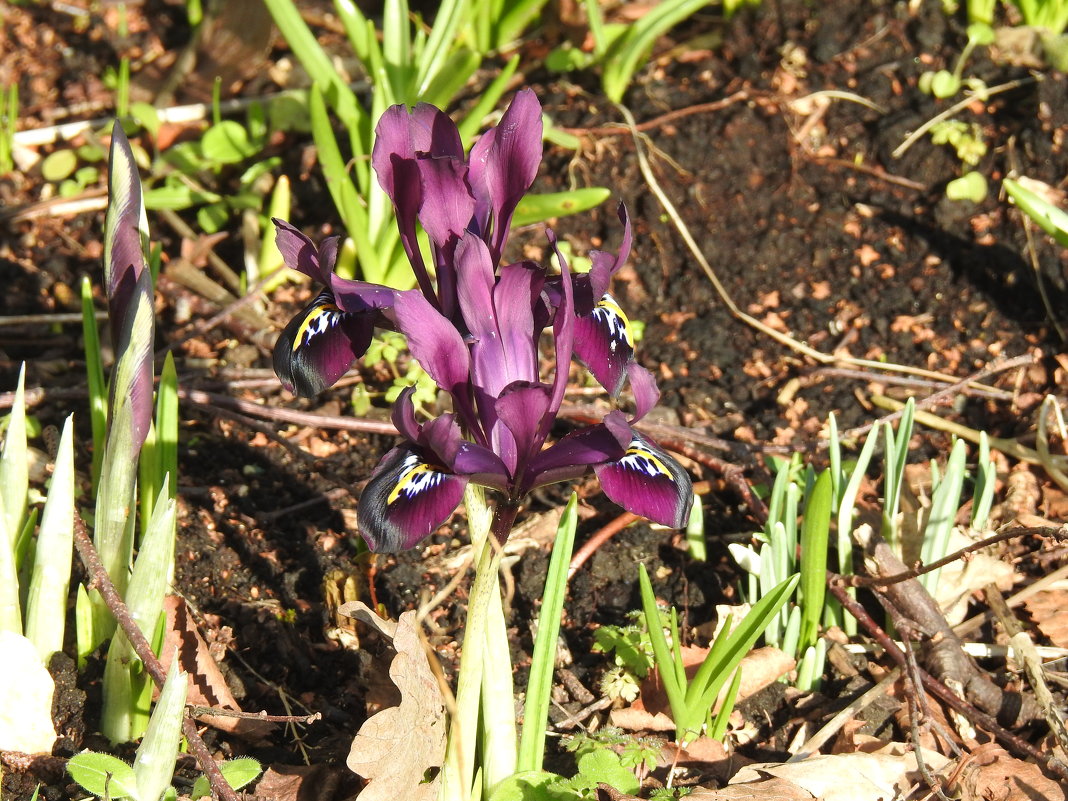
{"x": 541, "y": 207}
{"x": 815, "y": 533}
{"x": 1050, "y": 218}
{"x": 94, "y": 368}
{"x": 46, "y": 609}
{"x": 539, "y": 685}
{"x": 14, "y": 467}
{"x": 156, "y": 756}
{"x": 941, "y": 518}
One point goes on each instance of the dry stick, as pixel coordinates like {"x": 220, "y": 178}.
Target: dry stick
{"x": 837, "y": 586}
{"x": 47, "y": 319}
{"x": 664, "y": 119}
{"x": 1025, "y": 652}
{"x": 1010, "y": 447}
{"x": 994, "y": 368}
{"x": 820, "y": 738}
{"x": 214, "y": 711}
{"x": 906, "y": 381}
{"x": 288, "y": 415}
{"x": 1059, "y": 532}
{"x": 1016, "y": 599}
{"x": 721, "y": 290}
{"x": 100, "y": 580}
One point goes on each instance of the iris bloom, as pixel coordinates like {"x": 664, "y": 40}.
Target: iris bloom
{"x": 475, "y": 330}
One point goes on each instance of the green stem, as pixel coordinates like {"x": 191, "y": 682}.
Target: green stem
{"x": 483, "y": 615}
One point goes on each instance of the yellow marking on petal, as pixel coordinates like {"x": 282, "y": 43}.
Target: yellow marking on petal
{"x": 637, "y": 451}
{"x": 608, "y": 303}
{"x": 411, "y": 476}
{"x": 309, "y": 319}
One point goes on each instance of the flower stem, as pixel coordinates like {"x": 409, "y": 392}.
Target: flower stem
{"x": 484, "y": 614}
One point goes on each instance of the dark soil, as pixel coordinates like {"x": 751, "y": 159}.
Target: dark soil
{"x": 809, "y": 222}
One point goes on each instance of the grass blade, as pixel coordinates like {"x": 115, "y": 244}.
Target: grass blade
{"x": 539, "y": 685}
{"x": 94, "y": 368}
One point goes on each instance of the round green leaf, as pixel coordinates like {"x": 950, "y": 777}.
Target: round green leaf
{"x": 944, "y": 84}
{"x": 971, "y": 186}
{"x": 59, "y": 165}
{"x": 226, "y": 143}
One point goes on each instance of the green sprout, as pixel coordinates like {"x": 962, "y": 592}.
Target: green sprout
{"x": 691, "y": 700}
{"x": 9, "y": 118}
{"x": 622, "y": 49}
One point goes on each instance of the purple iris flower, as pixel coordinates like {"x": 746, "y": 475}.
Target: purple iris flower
{"x": 475, "y": 330}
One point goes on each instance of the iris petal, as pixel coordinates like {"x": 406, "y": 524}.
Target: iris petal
{"x": 605, "y": 344}
{"x": 319, "y": 346}
{"x": 406, "y": 499}
{"x": 648, "y": 482}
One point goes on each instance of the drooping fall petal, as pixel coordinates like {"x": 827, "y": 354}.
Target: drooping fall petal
{"x": 648, "y": 482}
{"x": 319, "y": 346}
{"x": 405, "y": 500}
{"x": 604, "y": 343}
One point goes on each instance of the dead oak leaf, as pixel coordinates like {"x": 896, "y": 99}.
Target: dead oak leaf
{"x": 396, "y": 747}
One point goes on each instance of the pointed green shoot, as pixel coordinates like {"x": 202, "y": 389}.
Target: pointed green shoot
{"x": 46, "y": 608}
{"x": 815, "y": 532}
{"x": 124, "y": 717}
{"x": 154, "y": 761}
{"x": 1050, "y": 218}
{"x": 539, "y": 685}
{"x": 14, "y": 467}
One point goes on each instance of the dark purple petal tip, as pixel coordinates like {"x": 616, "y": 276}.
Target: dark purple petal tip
{"x": 406, "y": 499}
{"x": 319, "y": 346}
{"x": 648, "y": 482}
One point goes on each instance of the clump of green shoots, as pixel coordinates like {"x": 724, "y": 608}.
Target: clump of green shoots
{"x": 817, "y": 500}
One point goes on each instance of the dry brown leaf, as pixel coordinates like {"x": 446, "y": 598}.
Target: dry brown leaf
{"x": 299, "y": 782}
{"x": 769, "y": 789}
{"x": 651, "y": 711}
{"x": 395, "y": 748}
{"x": 994, "y": 775}
{"x": 207, "y": 686}
{"x": 883, "y": 774}
{"x": 1047, "y": 611}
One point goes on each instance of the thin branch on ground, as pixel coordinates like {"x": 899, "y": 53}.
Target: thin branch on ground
{"x": 837, "y": 585}
{"x": 100, "y": 581}
{"x": 1024, "y": 650}
{"x": 1058, "y": 532}
{"x": 214, "y": 711}
{"x": 995, "y": 367}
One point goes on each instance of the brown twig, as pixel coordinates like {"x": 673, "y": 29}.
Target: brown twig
{"x": 700, "y": 108}
{"x": 950, "y": 391}
{"x": 836, "y": 585}
{"x": 602, "y": 536}
{"x": 214, "y": 711}
{"x": 1059, "y": 532}
{"x": 99, "y": 580}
